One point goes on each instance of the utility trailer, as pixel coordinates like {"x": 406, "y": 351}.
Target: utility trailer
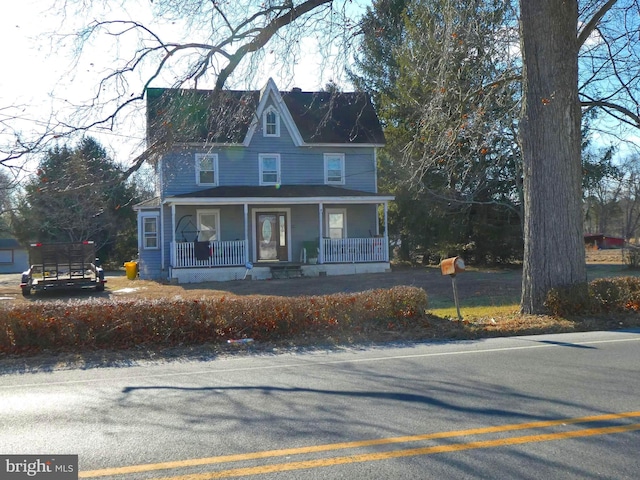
{"x": 62, "y": 266}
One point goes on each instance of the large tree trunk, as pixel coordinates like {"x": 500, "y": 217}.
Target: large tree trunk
{"x": 550, "y": 137}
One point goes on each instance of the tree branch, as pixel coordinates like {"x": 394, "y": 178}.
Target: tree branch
{"x": 265, "y": 35}
{"x": 634, "y": 118}
{"x": 590, "y": 26}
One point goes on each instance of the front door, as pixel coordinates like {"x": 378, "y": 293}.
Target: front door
{"x": 271, "y": 233}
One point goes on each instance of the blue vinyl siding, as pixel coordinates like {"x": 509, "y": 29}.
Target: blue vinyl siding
{"x": 19, "y": 263}
{"x": 150, "y": 260}
{"x": 240, "y": 166}
{"x": 304, "y": 227}
{"x": 361, "y": 220}
{"x": 149, "y": 265}
{"x": 231, "y": 222}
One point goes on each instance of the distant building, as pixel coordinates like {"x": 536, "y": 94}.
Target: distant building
{"x": 601, "y": 241}
{"x": 14, "y": 258}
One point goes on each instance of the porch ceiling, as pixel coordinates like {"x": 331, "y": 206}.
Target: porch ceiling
{"x": 299, "y": 194}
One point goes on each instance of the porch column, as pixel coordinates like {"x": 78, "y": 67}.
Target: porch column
{"x": 173, "y": 223}
{"x": 172, "y": 256}
{"x": 320, "y": 242}
{"x": 246, "y": 233}
{"x": 386, "y": 232}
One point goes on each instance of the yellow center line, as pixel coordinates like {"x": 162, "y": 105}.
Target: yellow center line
{"x": 369, "y": 457}
{"x": 346, "y": 445}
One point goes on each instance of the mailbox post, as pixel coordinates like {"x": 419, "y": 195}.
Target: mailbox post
{"x": 452, "y": 266}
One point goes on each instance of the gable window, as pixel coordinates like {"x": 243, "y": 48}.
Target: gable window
{"x": 208, "y": 225}
{"x": 269, "y": 168}
{"x": 336, "y": 219}
{"x": 334, "y": 168}
{"x": 271, "y": 123}
{"x": 150, "y": 232}
{"x": 206, "y": 169}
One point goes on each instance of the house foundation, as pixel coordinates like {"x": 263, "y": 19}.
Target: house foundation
{"x": 226, "y": 274}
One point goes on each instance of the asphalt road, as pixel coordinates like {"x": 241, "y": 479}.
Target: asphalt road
{"x": 554, "y": 406}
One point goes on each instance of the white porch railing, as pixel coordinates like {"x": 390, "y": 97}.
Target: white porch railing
{"x": 355, "y": 250}
{"x": 217, "y": 254}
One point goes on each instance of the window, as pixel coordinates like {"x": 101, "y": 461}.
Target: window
{"x": 334, "y": 168}
{"x": 208, "y": 225}
{"x": 150, "y": 232}
{"x": 269, "y": 169}
{"x": 6, "y": 256}
{"x": 206, "y": 169}
{"x": 336, "y": 222}
{"x": 271, "y": 123}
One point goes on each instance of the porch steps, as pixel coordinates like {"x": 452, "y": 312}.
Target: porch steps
{"x": 286, "y": 271}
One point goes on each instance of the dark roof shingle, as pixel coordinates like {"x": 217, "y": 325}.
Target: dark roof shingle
{"x": 9, "y": 243}
{"x": 225, "y": 116}
{"x": 281, "y": 191}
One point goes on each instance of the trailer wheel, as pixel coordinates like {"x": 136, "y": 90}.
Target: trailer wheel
{"x": 26, "y": 291}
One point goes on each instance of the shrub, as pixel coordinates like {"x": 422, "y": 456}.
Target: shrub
{"x": 604, "y": 295}
{"x": 569, "y": 300}
{"x": 102, "y": 324}
{"x": 631, "y": 257}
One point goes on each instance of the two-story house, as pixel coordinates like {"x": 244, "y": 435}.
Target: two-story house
{"x": 250, "y": 182}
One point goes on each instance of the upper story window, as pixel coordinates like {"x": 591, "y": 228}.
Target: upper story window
{"x": 206, "y": 169}
{"x": 334, "y": 168}
{"x": 269, "y": 168}
{"x": 271, "y": 123}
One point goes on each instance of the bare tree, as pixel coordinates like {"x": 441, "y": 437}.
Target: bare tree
{"x": 225, "y": 45}
{"x": 609, "y": 56}
{"x": 14, "y": 143}
{"x": 181, "y": 43}
{"x": 630, "y": 201}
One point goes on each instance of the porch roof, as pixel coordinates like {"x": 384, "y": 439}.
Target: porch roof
{"x": 300, "y": 194}
{"x": 151, "y": 203}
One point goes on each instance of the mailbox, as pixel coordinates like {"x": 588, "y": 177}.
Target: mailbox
{"x": 451, "y": 266}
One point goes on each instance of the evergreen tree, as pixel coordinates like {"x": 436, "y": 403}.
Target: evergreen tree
{"x": 77, "y": 194}
{"x": 447, "y": 92}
